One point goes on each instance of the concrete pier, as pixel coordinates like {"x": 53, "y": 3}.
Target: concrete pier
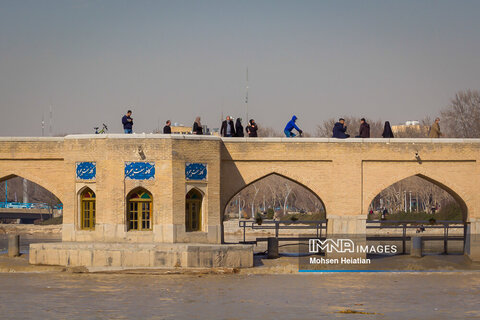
{"x": 272, "y": 248}
{"x": 416, "y": 249}
{"x": 13, "y": 245}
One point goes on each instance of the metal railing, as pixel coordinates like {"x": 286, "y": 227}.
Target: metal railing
{"x": 320, "y": 225}
{"x": 277, "y": 225}
{"x": 26, "y": 205}
{"x": 416, "y": 224}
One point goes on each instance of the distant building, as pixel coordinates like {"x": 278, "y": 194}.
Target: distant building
{"x": 181, "y": 129}
{"x": 412, "y": 126}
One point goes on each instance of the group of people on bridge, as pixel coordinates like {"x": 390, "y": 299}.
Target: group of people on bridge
{"x": 230, "y": 129}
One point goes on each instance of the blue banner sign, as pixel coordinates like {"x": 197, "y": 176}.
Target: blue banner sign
{"x": 195, "y": 171}
{"x": 86, "y": 170}
{"x": 140, "y": 170}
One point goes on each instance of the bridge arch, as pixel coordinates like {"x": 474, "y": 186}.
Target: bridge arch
{"x": 44, "y": 183}
{"x": 245, "y": 185}
{"x": 450, "y": 187}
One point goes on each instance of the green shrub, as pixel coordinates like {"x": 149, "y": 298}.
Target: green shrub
{"x": 258, "y": 218}
{"x": 270, "y": 213}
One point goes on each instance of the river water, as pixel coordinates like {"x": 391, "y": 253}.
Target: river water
{"x": 238, "y": 296}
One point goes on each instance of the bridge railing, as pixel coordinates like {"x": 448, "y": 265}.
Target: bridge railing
{"x": 421, "y": 226}
{"x": 404, "y": 225}
{"x": 26, "y": 205}
{"x": 277, "y": 225}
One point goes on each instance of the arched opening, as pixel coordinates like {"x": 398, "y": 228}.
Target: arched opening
{"x": 87, "y": 209}
{"x": 193, "y": 210}
{"x": 418, "y": 198}
{"x": 275, "y": 196}
{"x": 24, "y": 201}
{"x": 139, "y": 210}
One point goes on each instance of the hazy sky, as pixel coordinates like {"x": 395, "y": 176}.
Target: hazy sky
{"x": 92, "y": 60}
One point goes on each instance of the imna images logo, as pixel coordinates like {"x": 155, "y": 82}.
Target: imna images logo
{"x": 347, "y": 246}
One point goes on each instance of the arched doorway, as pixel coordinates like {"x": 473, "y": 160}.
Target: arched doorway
{"x": 139, "y": 210}
{"x": 87, "y": 209}
{"x": 273, "y": 197}
{"x": 278, "y": 196}
{"x": 193, "y": 210}
{"x": 418, "y": 198}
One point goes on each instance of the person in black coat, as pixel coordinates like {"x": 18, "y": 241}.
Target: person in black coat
{"x": 364, "y": 129}
{"x": 228, "y": 128}
{"x": 239, "y": 128}
{"x": 387, "y": 130}
{"x": 197, "y": 126}
{"x": 167, "y": 129}
{"x": 252, "y": 129}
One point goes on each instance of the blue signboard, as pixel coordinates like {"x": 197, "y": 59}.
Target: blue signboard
{"x": 195, "y": 171}
{"x": 86, "y": 170}
{"x": 140, "y": 170}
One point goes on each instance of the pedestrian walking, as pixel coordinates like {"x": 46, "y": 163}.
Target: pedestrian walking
{"x": 127, "y": 122}
{"x": 387, "y": 130}
{"x": 384, "y": 213}
{"x": 167, "y": 129}
{"x": 435, "y": 129}
{"x": 364, "y": 129}
{"x": 340, "y": 129}
{"x": 252, "y": 129}
{"x": 290, "y": 126}
{"x": 227, "y": 129}
{"x": 197, "y": 126}
{"x": 239, "y": 128}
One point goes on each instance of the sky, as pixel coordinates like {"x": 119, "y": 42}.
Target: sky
{"x": 90, "y": 61}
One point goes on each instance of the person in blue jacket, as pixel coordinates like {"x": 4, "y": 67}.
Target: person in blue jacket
{"x": 290, "y": 126}
{"x": 339, "y": 130}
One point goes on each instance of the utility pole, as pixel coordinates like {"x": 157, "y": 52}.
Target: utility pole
{"x": 43, "y": 124}
{"x": 50, "y": 129}
{"x": 246, "y": 98}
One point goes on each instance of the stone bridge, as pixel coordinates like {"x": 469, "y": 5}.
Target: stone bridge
{"x": 158, "y": 200}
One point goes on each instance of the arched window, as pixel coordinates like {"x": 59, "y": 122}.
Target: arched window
{"x": 139, "y": 210}
{"x": 193, "y": 211}
{"x": 87, "y": 204}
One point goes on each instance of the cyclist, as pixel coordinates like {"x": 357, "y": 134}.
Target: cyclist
{"x": 290, "y": 126}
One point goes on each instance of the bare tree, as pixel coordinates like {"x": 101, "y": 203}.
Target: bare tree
{"x": 286, "y": 193}
{"x": 462, "y": 116}
{"x": 423, "y": 192}
{"x": 275, "y": 195}
{"x": 253, "y": 199}
{"x": 268, "y": 132}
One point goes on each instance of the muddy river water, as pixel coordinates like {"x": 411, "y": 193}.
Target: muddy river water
{"x": 452, "y": 295}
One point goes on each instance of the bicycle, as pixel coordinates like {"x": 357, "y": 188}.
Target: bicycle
{"x": 104, "y": 130}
